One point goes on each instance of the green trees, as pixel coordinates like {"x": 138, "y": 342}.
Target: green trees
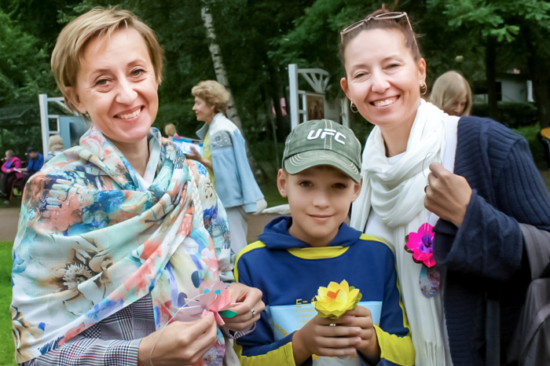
{"x": 24, "y": 72}
{"x": 23, "y": 64}
{"x": 519, "y": 30}
{"x": 259, "y": 38}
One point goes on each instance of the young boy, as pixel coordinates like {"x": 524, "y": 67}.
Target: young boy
{"x": 296, "y": 255}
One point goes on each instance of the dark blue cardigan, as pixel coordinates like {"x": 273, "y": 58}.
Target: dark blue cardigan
{"x": 487, "y": 252}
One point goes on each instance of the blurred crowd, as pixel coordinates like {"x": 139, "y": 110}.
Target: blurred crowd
{"x": 16, "y": 171}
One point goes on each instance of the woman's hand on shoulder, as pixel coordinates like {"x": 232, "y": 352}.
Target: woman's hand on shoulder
{"x": 447, "y": 194}
{"x": 179, "y": 343}
{"x": 249, "y": 309}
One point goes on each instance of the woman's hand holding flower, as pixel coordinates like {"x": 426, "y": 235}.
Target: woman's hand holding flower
{"x": 447, "y": 194}
{"x": 249, "y": 298}
{"x": 179, "y": 343}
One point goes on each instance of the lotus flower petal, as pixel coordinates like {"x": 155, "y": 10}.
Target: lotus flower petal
{"x": 213, "y": 298}
{"x": 335, "y": 299}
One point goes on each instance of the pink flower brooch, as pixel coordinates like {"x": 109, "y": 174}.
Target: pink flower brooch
{"x": 421, "y": 246}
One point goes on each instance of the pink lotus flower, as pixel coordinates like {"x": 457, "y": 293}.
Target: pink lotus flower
{"x": 212, "y": 298}
{"x": 420, "y": 244}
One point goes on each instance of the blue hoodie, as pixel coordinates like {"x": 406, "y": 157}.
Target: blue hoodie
{"x": 35, "y": 164}
{"x": 289, "y": 272}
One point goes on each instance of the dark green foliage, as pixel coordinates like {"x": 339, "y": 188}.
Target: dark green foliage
{"x": 531, "y": 134}
{"x": 259, "y": 38}
{"x": 24, "y": 73}
{"x": 512, "y": 115}
{"x": 24, "y": 68}
{"x": 523, "y": 119}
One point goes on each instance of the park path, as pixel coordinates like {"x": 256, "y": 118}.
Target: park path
{"x": 8, "y": 223}
{"x": 10, "y": 216}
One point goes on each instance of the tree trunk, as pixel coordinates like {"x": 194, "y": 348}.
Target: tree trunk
{"x": 217, "y": 59}
{"x": 538, "y": 70}
{"x": 221, "y": 76}
{"x": 490, "y": 73}
{"x": 266, "y": 98}
{"x": 276, "y": 94}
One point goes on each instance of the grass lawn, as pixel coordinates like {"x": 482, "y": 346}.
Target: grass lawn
{"x": 6, "y": 340}
{"x": 272, "y": 196}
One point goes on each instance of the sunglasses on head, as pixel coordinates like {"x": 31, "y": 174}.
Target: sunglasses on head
{"x": 385, "y": 16}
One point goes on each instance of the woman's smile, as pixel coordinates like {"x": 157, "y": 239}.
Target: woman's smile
{"x": 384, "y": 102}
{"x": 131, "y": 114}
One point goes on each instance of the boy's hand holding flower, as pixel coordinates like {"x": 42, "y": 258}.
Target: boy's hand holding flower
{"x": 319, "y": 337}
{"x": 361, "y": 318}
{"x": 340, "y": 327}
{"x": 339, "y": 301}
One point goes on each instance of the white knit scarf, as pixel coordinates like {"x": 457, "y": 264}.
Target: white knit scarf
{"x": 396, "y": 193}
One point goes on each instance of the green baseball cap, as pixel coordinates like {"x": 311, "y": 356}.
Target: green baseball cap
{"x": 323, "y": 142}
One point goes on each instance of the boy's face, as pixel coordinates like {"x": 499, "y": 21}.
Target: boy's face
{"x": 319, "y": 199}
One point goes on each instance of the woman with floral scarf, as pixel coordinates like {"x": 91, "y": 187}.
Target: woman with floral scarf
{"x": 116, "y": 235}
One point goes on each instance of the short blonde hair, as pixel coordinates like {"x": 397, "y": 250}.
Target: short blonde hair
{"x": 450, "y": 87}
{"x": 170, "y": 130}
{"x": 75, "y": 36}
{"x": 213, "y": 93}
{"x": 55, "y": 143}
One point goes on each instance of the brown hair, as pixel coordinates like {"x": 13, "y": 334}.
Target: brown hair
{"x": 170, "y": 130}
{"x": 75, "y": 36}
{"x": 450, "y": 87}
{"x": 400, "y": 24}
{"x": 213, "y": 93}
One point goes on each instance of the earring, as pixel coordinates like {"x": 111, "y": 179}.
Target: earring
{"x": 353, "y": 107}
{"x": 423, "y": 89}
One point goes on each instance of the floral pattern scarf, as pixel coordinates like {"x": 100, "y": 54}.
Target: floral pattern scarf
{"x": 90, "y": 242}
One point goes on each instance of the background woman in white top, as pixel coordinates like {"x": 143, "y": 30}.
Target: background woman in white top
{"x": 451, "y": 92}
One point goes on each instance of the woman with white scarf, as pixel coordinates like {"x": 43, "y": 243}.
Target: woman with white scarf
{"x": 473, "y": 179}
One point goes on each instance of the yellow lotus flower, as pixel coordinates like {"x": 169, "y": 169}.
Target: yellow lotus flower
{"x": 333, "y": 301}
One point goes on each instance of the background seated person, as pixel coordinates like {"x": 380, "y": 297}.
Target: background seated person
{"x": 9, "y": 173}
{"x": 36, "y": 161}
